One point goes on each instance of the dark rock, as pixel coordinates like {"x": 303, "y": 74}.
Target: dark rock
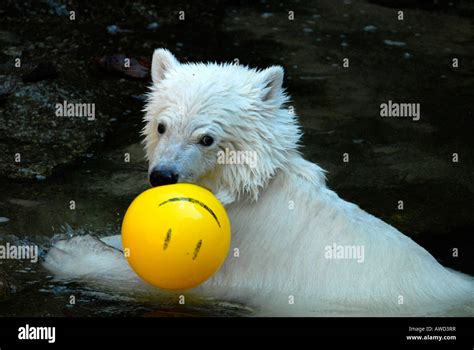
{"x": 7, "y": 286}
{"x": 137, "y": 68}
{"x": 40, "y": 72}
{"x": 30, "y": 128}
{"x": 57, "y": 8}
{"x": 8, "y": 37}
{"x": 4, "y": 93}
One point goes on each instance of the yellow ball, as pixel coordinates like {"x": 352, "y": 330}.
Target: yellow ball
{"x": 176, "y": 236}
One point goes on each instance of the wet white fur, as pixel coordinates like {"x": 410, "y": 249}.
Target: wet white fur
{"x": 282, "y": 214}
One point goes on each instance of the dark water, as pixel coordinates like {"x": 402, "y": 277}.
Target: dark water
{"x": 337, "y": 108}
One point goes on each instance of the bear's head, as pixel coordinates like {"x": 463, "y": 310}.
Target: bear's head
{"x": 221, "y": 126}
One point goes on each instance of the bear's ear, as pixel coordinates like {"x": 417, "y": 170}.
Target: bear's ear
{"x": 162, "y": 62}
{"x": 271, "y": 80}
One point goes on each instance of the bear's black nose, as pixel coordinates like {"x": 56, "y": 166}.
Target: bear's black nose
{"x": 160, "y": 177}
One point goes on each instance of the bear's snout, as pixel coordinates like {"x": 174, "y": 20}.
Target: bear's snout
{"x": 160, "y": 177}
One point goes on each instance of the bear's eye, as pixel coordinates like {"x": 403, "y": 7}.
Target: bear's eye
{"x": 161, "y": 128}
{"x": 206, "y": 140}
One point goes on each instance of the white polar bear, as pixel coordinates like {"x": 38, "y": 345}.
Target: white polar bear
{"x": 296, "y": 238}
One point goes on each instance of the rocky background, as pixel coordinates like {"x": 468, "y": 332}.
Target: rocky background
{"x": 64, "y": 159}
